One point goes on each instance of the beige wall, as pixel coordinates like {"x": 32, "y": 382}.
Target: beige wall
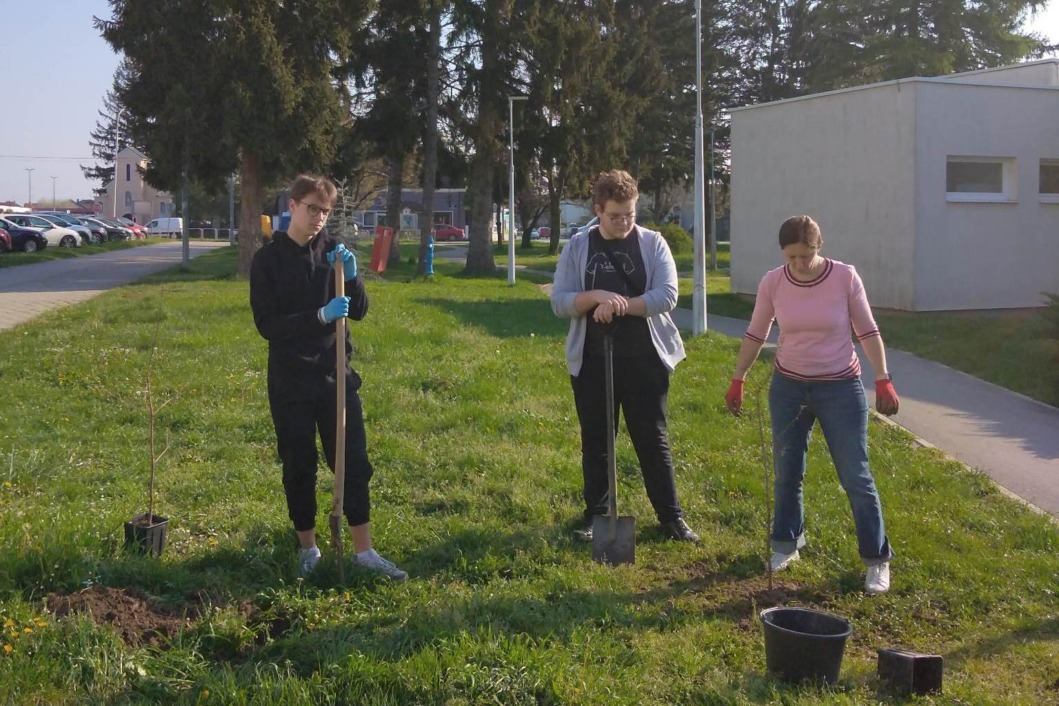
{"x": 985, "y": 255}
{"x": 845, "y": 158}
{"x": 146, "y": 200}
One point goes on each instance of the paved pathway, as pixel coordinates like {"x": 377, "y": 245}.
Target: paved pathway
{"x": 27, "y": 291}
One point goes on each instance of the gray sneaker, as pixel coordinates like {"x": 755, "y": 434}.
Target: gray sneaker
{"x": 307, "y": 560}
{"x": 373, "y": 562}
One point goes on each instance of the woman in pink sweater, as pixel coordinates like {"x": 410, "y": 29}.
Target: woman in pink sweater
{"x": 818, "y": 303}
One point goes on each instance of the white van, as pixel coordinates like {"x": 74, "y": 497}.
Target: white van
{"x": 169, "y": 227}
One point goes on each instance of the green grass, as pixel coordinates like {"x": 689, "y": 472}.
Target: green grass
{"x": 474, "y": 438}
{"x": 53, "y": 252}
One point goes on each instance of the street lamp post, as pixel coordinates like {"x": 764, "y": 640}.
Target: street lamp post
{"x": 29, "y": 174}
{"x": 713, "y": 209}
{"x": 511, "y": 190}
{"x": 54, "y": 205}
{"x": 117, "y": 128}
{"x": 698, "y": 311}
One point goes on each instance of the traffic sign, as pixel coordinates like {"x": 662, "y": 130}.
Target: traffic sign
{"x": 97, "y": 207}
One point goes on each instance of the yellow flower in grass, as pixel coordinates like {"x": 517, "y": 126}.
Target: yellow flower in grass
{"x": 8, "y": 649}
{"x": 28, "y": 631}
{"x": 9, "y": 623}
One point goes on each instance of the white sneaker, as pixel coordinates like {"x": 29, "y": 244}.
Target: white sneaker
{"x": 373, "y": 562}
{"x": 780, "y": 561}
{"x": 878, "y": 579}
{"x": 307, "y": 560}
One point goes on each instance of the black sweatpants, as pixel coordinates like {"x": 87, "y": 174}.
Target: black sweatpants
{"x": 641, "y": 386}
{"x": 302, "y": 406}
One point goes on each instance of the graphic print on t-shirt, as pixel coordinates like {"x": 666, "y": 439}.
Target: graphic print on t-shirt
{"x": 600, "y": 273}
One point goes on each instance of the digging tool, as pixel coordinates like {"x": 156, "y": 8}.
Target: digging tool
{"x": 337, "y": 501}
{"x": 613, "y": 537}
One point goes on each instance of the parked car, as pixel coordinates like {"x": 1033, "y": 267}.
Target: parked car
{"x": 168, "y": 227}
{"x": 111, "y": 229}
{"x": 139, "y": 232}
{"x": 24, "y": 239}
{"x": 542, "y": 232}
{"x": 444, "y": 231}
{"x": 5, "y": 241}
{"x": 63, "y": 237}
{"x": 89, "y": 235}
{"x": 575, "y": 228}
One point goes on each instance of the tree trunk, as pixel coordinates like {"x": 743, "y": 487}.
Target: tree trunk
{"x": 251, "y": 194}
{"x": 480, "y": 248}
{"x": 430, "y": 136}
{"x": 393, "y": 205}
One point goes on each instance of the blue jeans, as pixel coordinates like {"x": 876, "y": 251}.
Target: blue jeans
{"x": 842, "y": 410}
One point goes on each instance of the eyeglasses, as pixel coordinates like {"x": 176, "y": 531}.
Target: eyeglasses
{"x": 315, "y": 210}
{"x": 621, "y": 217}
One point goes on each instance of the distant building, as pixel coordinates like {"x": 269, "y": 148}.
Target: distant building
{"x": 448, "y": 209}
{"x": 943, "y": 192}
{"x": 136, "y": 198}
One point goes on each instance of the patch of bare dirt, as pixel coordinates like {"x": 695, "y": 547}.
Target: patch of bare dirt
{"x": 138, "y": 618}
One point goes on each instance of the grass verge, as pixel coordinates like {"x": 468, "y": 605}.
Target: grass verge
{"x": 475, "y": 443}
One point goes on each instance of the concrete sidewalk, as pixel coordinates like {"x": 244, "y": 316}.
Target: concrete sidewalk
{"x": 1009, "y": 437}
{"x": 30, "y": 290}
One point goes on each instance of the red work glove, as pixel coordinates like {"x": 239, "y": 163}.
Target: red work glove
{"x": 886, "y": 401}
{"x": 733, "y": 400}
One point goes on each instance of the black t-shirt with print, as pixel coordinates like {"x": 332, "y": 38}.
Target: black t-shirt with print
{"x": 631, "y": 335}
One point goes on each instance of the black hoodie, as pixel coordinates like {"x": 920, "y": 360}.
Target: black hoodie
{"x": 288, "y": 285}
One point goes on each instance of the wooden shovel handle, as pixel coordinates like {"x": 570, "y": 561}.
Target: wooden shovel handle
{"x": 340, "y": 422}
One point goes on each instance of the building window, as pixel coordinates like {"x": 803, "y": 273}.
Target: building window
{"x": 443, "y": 217}
{"x": 368, "y": 219}
{"x": 980, "y": 179}
{"x": 128, "y": 199}
{"x": 1048, "y": 183}
{"x": 128, "y": 172}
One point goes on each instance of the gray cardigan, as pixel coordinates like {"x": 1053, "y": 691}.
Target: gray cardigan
{"x": 660, "y": 297}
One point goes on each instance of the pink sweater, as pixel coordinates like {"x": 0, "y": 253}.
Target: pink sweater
{"x": 815, "y": 320}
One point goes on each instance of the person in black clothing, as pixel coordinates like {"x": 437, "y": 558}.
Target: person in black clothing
{"x": 620, "y": 279}
{"x": 292, "y": 295}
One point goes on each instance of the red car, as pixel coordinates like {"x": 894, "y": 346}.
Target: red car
{"x": 5, "y": 241}
{"x": 443, "y": 231}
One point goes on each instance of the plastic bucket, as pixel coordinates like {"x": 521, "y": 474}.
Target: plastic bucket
{"x": 803, "y": 644}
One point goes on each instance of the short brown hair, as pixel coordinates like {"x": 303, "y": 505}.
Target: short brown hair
{"x": 305, "y": 184}
{"x": 615, "y": 185}
{"x": 800, "y": 229}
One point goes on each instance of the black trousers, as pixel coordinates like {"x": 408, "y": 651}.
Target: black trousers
{"x": 641, "y": 386}
{"x": 302, "y": 406}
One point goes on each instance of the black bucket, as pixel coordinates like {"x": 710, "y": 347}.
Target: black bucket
{"x": 803, "y": 644}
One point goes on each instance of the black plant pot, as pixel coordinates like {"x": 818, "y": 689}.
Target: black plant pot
{"x": 803, "y": 644}
{"x": 146, "y": 533}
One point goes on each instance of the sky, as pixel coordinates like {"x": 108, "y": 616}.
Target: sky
{"x": 56, "y": 69}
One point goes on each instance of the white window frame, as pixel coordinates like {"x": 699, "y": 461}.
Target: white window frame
{"x": 1007, "y": 193}
{"x": 1041, "y": 196}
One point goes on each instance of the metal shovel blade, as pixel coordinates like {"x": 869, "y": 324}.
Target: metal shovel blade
{"x": 613, "y": 540}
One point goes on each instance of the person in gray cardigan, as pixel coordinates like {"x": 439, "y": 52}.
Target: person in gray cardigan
{"x": 621, "y": 279}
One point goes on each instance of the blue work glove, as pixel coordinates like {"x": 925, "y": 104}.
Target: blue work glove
{"x": 337, "y": 308}
{"x": 349, "y": 260}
